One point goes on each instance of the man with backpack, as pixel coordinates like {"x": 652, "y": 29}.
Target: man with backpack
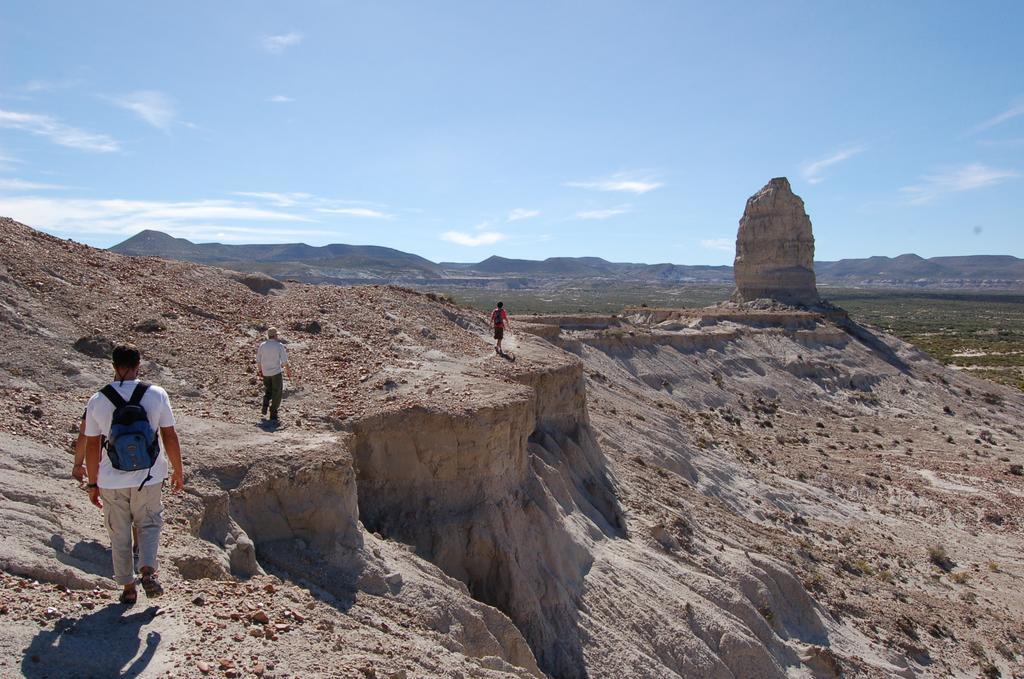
{"x": 271, "y": 363}
{"x": 499, "y": 321}
{"x": 126, "y": 476}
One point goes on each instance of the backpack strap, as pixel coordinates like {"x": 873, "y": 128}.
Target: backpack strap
{"x": 140, "y": 391}
{"x": 114, "y": 397}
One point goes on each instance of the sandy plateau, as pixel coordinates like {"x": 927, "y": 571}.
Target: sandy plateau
{"x": 745, "y": 490}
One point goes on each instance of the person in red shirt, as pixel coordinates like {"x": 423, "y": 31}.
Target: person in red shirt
{"x": 499, "y": 321}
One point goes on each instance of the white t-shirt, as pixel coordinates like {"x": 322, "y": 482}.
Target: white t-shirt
{"x": 98, "y": 416}
{"x": 271, "y": 356}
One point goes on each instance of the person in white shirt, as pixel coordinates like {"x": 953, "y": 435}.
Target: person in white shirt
{"x": 271, "y": 365}
{"x": 131, "y": 498}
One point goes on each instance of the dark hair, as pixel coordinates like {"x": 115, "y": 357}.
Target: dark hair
{"x": 501, "y": 304}
{"x": 126, "y": 356}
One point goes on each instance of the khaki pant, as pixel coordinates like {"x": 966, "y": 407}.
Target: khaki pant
{"x": 121, "y": 508}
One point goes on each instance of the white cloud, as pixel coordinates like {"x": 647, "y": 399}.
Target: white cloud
{"x": 278, "y": 199}
{"x": 277, "y": 44}
{"x": 308, "y": 201}
{"x": 522, "y": 213}
{"x": 619, "y": 182}
{"x": 40, "y": 85}
{"x": 966, "y": 178}
{"x": 606, "y": 213}
{"x": 1013, "y": 143}
{"x": 356, "y": 212}
{"x": 6, "y": 160}
{"x": 65, "y": 135}
{"x": 244, "y": 234}
{"x": 473, "y": 240}
{"x": 23, "y": 185}
{"x": 127, "y": 217}
{"x": 280, "y": 99}
{"x": 811, "y": 171}
{"x": 726, "y": 244}
{"x": 1009, "y": 114}
{"x": 155, "y": 108}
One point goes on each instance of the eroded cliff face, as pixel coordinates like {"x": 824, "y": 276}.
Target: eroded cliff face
{"x": 509, "y": 499}
{"x": 775, "y": 248}
{"x": 821, "y": 450}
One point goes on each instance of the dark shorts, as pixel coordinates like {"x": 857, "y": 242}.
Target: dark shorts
{"x": 499, "y": 332}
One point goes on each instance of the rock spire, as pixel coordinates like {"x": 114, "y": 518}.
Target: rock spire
{"x": 775, "y": 248}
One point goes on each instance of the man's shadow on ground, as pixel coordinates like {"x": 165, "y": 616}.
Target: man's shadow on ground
{"x": 270, "y": 425}
{"x": 101, "y": 644}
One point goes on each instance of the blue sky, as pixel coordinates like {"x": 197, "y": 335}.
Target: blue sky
{"x": 633, "y": 131}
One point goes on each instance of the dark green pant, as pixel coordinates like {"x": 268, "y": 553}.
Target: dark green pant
{"x": 272, "y": 388}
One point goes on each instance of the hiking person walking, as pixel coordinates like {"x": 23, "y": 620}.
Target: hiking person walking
{"x": 126, "y": 477}
{"x": 271, "y": 362}
{"x": 499, "y": 321}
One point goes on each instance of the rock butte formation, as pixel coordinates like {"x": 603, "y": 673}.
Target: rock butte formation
{"x": 775, "y": 248}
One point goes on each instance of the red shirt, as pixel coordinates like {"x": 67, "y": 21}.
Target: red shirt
{"x": 498, "y": 317}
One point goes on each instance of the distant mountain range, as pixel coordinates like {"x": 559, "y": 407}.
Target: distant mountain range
{"x": 347, "y": 264}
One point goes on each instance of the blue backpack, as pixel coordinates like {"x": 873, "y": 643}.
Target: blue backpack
{"x": 132, "y": 444}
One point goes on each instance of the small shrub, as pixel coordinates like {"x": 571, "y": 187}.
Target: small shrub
{"x": 815, "y": 582}
{"x": 960, "y": 577}
{"x": 990, "y": 671}
{"x": 906, "y": 625}
{"x": 992, "y": 399}
{"x": 864, "y": 567}
{"x": 938, "y": 556}
{"x": 150, "y": 325}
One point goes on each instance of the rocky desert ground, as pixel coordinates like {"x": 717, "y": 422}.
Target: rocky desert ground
{"x": 746, "y": 490}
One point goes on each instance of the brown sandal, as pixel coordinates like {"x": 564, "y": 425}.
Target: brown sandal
{"x": 151, "y": 586}
{"x": 129, "y": 597}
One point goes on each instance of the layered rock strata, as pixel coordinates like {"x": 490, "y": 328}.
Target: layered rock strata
{"x": 775, "y": 248}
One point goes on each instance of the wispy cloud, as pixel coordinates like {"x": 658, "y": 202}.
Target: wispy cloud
{"x": 811, "y": 171}
{"x": 280, "y": 99}
{"x": 725, "y": 244}
{"x": 521, "y": 213}
{"x": 223, "y": 233}
{"x": 1009, "y": 114}
{"x": 187, "y": 219}
{"x": 619, "y": 182}
{"x": 23, "y": 185}
{"x": 59, "y": 133}
{"x": 966, "y": 178}
{"x": 473, "y": 240}
{"x": 153, "y": 107}
{"x": 278, "y": 199}
{"x": 277, "y": 44}
{"x": 6, "y": 160}
{"x": 356, "y": 212}
{"x": 311, "y": 202}
{"x": 41, "y": 85}
{"x": 1012, "y": 143}
{"x": 606, "y": 213}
